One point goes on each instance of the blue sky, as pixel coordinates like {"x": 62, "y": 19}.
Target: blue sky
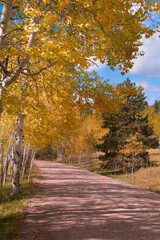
{"x": 145, "y": 72}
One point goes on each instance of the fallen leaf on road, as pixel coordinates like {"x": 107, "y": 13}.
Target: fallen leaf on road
{"x": 61, "y": 212}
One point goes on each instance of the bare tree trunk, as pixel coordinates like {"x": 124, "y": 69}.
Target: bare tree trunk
{"x": 58, "y": 153}
{"x": 1, "y": 102}
{"x": 8, "y": 156}
{"x": 2, "y": 150}
{"x": 2, "y": 166}
{"x": 80, "y": 157}
{"x": 71, "y": 157}
{"x": 24, "y": 160}
{"x": 4, "y": 22}
{"x": 132, "y": 163}
{"x": 31, "y": 164}
{"x": 61, "y": 153}
{"x": 17, "y": 160}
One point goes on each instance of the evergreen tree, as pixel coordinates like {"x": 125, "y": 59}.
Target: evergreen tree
{"x": 157, "y": 106}
{"x": 129, "y": 137}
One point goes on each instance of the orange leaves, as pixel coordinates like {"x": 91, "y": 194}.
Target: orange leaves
{"x": 33, "y": 12}
{"x": 62, "y": 212}
{"x": 68, "y": 20}
{"x": 107, "y": 30}
{"x": 62, "y": 4}
{"x": 46, "y": 1}
{"x": 86, "y": 30}
{"x": 133, "y": 145}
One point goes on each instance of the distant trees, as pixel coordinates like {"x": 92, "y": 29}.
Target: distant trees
{"x": 153, "y": 113}
{"x": 78, "y": 147}
{"x": 157, "y": 106}
{"x": 129, "y": 137}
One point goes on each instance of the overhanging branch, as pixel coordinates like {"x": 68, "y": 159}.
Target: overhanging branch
{"x": 38, "y": 72}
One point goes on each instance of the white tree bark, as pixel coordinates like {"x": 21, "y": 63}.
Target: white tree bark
{"x": 2, "y": 150}
{"x": 2, "y": 166}
{"x": 17, "y": 160}
{"x": 25, "y": 158}
{"x": 31, "y": 163}
{"x": 14, "y": 76}
{"x": 5, "y": 17}
{"x": 8, "y": 156}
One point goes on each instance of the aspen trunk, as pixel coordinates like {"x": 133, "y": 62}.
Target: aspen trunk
{"x": 71, "y": 157}
{"x": 4, "y": 22}
{"x": 80, "y": 158}
{"x": 1, "y": 102}
{"x": 24, "y": 160}
{"x": 6, "y": 170}
{"x": 17, "y": 158}
{"x": 31, "y": 163}
{"x": 132, "y": 163}
{"x": 61, "y": 153}
{"x": 8, "y": 156}
{"x": 2, "y": 166}
{"x": 2, "y": 151}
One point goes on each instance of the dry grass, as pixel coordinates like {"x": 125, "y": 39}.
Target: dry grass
{"x": 92, "y": 165}
{"x": 155, "y": 155}
{"x": 147, "y": 178}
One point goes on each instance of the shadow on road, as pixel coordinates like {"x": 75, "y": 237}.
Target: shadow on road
{"x": 79, "y": 205}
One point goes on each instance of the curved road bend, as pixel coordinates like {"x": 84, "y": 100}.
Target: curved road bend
{"x": 80, "y": 205}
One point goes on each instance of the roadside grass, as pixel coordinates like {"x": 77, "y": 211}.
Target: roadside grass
{"x": 146, "y": 178}
{"x": 155, "y": 156}
{"x": 12, "y": 208}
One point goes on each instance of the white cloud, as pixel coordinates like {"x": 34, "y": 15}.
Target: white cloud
{"x": 149, "y": 64}
{"x": 152, "y": 92}
{"x": 135, "y": 8}
{"x": 151, "y": 101}
{"x": 148, "y": 88}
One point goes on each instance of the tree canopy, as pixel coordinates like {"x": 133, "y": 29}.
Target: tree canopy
{"x": 35, "y": 35}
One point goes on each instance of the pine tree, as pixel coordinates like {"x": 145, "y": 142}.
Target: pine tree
{"x": 157, "y": 106}
{"x": 129, "y": 135}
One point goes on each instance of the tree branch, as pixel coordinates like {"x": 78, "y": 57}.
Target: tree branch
{"x": 41, "y": 70}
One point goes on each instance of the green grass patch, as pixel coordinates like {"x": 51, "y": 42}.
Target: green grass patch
{"x": 12, "y": 208}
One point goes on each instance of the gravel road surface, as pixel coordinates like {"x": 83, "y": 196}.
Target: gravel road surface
{"x": 80, "y": 205}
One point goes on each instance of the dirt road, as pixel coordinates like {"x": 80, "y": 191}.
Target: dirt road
{"x": 80, "y": 205}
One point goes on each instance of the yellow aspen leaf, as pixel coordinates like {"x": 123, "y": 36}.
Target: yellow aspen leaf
{"x": 46, "y": 1}
{"x": 68, "y": 20}
{"x": 61, "y": 212}
{"x": 35, "y": 231}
